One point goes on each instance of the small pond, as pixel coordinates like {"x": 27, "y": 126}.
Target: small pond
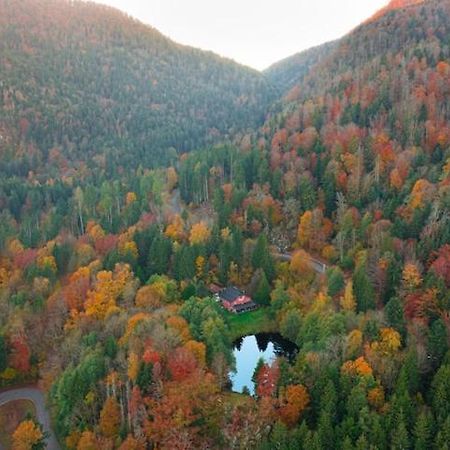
{"x": 249, "y": 349}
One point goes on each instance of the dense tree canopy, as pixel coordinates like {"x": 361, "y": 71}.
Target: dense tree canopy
{"x": 333, "y": 216}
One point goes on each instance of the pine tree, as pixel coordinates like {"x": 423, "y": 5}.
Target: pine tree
{"x": 347, "y": 444}
{"x": 262, "y": 259}
{"x": 144, "y": 377}
{"x": 395, "y": 316}
{"x": 159, "y": 255}
{"x": 422, "y": 432}
{"x": 262, "y": 292}
{"x": 3, "y": 354}
{"x": 437, "y": 342}
{"x": 325, "y": 429}
{"x": 363, "y": 289}
{"x": 443, "y": 436}
{"x": 258, "y": 367}
{"x": 441, "y": 393}
{"x": 362, "y": 443}
{"x": 336, "y": 282}
{"x": 399, "y": 435}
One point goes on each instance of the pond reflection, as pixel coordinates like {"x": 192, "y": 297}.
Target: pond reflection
{"x": 249, "y": 349}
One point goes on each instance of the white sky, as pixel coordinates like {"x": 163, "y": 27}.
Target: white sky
{"x": 253, "y": 32}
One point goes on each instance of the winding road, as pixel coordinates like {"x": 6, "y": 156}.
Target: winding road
{"x": 316, "y": 265}
{"x": 37, "y": 397}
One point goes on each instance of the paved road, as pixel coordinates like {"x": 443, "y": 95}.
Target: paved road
{"x": 317, "y": 266}
{"x": 37, "y": 398}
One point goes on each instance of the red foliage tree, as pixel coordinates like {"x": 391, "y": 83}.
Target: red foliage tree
{"x": 20, "y": 355}
{"x": 181, "y": 364}
{"x": 267, "y": 379}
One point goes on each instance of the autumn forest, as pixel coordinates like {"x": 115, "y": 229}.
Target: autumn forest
{"x": 137, "y": 175}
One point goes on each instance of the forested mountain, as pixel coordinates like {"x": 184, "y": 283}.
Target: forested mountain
{"x": 106, "y": 265}
{"x": 82, "y": 82}
{"x": 291, "y": 71}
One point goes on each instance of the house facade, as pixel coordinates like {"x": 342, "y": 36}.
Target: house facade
{"x": 234, "y": 300}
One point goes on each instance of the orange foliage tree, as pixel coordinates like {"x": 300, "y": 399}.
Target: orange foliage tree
{"x": 295, "y": 400}
{"x": 110, "y": 418}
{"x": 27, "y": 436}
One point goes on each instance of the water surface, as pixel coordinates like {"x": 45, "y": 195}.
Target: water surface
{"x": 249, "y": 349}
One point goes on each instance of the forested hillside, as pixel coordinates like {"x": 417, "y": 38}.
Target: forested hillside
{"x": 291, "y": 71}
{"x": 85, "y": 84}
{"x": 105, "y": 275}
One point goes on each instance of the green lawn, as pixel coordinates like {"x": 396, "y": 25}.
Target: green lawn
{"x": 252, "y": 322}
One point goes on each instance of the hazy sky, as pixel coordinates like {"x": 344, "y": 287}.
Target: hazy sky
{"x": 253, "y": 32}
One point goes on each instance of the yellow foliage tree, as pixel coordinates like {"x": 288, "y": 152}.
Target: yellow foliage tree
{"x": 198, "y": 349}
{"x": 305, "y": 229}
{"x": 26, "y": 436}
{"x": 390, "y": 341}
{"x": 110, "y": 418}
{"x": 225, "y": 233}
{"x": 353, "y": 343}
{"x": 15, "y": 247}
{"x": 179, "y": 323}
{"x": 199, "y": 233}
{"x": 47, "y": 262}
{"x": 300, "y": 263}
{"x": 88, "y": 441}
{"x": 73, "y": 439}
{"x": 411, "y": 276}
{"x": 133, "y": 366}
{"x": 329, "y": 252}
{"x": 150, "y": 296}
{"x": 132, "y": 323}
{"x": 358, "y": 367}
{"x": 95, "y": 230}
{"x": 321, "y": 303}
{"x": 421, "y": 193}
{"x": 130, "y": 198}
{"x": 175, "y": 229}
{"x": 102, "y": 300}
{"x": 234, "y": 274}
{"x": 172, "y": 178}
{"x": 200, "y": 266}
{"x": 129, "y": 248}
{"x": 348, "y": 302}
{"x": 130, "y": 443}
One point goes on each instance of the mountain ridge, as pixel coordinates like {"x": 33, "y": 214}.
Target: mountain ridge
{"x": 146, "y": 94}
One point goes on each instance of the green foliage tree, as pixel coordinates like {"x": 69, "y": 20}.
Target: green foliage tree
{"x": 262, "y": 291}
{"x": 363, "y": 289}
{"x": 262, "y": 259}
{"x": 3, "y": 354}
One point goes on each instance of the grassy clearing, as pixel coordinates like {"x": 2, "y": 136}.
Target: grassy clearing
{"x": 251, "y": 322}
{"x": 11, "y": 415}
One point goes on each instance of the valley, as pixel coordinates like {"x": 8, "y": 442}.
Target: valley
{"x": 137, "y": 173}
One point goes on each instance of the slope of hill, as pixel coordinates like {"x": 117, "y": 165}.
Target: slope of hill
{"x": 371, "y": 121}
{"x": 105, "y": 277}
{"x": 291, "y": 71}
{"x": 85, "y": 81}
{"x": 411, "y": 33}
{"x": 393, "y": 5}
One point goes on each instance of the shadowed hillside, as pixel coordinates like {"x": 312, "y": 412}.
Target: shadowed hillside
{"x": 84, "y": 82}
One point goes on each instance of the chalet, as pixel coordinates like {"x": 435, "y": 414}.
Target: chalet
{"x": 235, "y": 301}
